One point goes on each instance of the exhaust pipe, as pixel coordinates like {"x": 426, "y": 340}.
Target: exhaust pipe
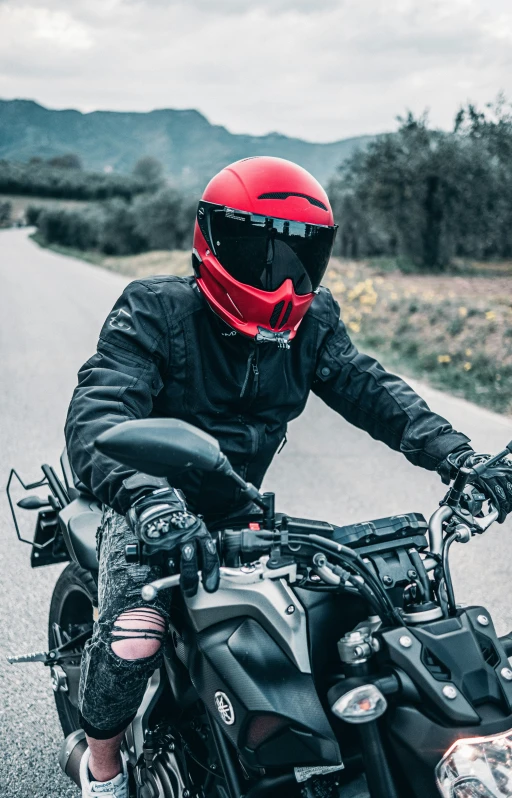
{"x": 71, "y": 753}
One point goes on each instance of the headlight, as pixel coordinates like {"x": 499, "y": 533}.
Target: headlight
{"x": 477, "y": 767}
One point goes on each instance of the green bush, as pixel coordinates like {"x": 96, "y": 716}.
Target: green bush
{"x": 163, "y": 220}
{"x": 42, "y": 179}
{"x": 70, "y": 227}
{"x": 118, "y": 230}
{"x": 5, "y": 213}
{"x": 32, "y": 214}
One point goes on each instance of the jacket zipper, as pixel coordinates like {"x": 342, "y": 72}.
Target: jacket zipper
{"x": 249, "y": 392}
{"x": 251, "y": 375}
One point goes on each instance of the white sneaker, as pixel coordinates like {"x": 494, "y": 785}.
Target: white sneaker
{"x": 114, "y": 788}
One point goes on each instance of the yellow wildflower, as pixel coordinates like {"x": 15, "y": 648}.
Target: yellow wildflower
{"x": 393, "y": 295}
{"x": 490, "y": 315}
{"x": 354, "y": 326}
{"x": 469, "y": 352}
{"x": 463, "y": 312}
{"x": 467, "y": 366}
{"x": 444, "y": 359}
{"x": 355, "y": 292}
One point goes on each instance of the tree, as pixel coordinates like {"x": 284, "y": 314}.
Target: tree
{"x": 68, "y": 161}
{"x": 5, "y": 214}
{"x": 426, "y": 195}
{"x": 165, "y": 219}
{"x": 149, "y": 170}
{"x": 42, "y": 180}
{"x": 119, "y": 235}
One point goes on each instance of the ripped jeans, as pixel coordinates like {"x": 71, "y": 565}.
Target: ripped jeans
{"x": 112, "y": 684}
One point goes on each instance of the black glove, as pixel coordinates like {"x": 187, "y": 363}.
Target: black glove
{"x": 161, "y": 518}
{"x": 495, "y": 483}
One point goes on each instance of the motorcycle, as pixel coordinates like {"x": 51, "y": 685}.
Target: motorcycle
{"x": 332, "y": 660}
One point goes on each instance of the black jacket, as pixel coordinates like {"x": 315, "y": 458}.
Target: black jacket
{"x": 162, "y": 352}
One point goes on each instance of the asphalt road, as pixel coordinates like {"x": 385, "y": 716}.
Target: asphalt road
{"x": 51, "y": 310}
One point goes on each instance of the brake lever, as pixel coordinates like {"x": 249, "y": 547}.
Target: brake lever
{"x": 481, "y": 468}
{"x": 484, "y": 523}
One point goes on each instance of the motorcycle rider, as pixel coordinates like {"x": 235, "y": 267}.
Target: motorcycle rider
{"x": 235, "y": 350}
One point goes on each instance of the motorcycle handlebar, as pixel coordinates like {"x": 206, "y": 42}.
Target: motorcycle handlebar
{"x": 445, "y": 512}
{"x": 259, "y": 541}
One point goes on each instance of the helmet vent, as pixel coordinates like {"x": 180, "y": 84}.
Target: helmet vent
{"x": 276, "y": 313}
{"x": 282, "y": 195}
{"x": 286, "y": 314}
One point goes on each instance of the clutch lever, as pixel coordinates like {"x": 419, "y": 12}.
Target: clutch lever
{"x": 149, "y": 592}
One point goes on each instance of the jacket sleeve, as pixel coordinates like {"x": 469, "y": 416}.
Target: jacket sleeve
{"x": 358, "y": 388}
{"x": 117, "y": 383}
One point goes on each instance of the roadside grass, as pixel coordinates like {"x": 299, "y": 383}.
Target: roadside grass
{"x": 90, "y": 257}
{"x": 452, "y": 330}
{"x": 143, "y": 265}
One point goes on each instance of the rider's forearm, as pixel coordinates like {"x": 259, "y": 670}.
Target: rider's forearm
{"x": 95, "y": 408}
{"x": 363, "y": 392}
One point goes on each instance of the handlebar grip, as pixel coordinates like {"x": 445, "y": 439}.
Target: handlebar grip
{"x": 236, "y": 541}
{"x": 231, "y": 541}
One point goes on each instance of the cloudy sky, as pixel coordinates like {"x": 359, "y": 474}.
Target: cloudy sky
{"x": 316, "y": 69}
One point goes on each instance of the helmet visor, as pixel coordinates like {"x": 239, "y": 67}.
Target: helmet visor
{"x": 263, "y": 251}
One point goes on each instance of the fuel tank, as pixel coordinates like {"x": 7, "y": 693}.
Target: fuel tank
{"x": 268, "y": 708}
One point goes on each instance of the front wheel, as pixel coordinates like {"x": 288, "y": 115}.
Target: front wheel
{"x": 71, "y": 613}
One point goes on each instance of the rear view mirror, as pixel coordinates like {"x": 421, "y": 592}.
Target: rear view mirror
{"x": 160, "y": 446}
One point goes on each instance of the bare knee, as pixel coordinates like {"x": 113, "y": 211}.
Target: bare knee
{"x": 140, "y": 632}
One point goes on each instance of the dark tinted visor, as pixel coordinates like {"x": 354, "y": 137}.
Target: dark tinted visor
{"x": 263, "y": 252}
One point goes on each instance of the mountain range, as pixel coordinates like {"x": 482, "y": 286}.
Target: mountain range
{"x": 190, "y": 148}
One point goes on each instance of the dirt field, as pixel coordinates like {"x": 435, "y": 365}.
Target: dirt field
{"x": 455, "y": 331}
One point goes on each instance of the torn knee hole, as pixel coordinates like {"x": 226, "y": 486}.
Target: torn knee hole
{"x": 138, "y": 633}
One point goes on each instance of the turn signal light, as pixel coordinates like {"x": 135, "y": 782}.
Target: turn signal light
{"x": 360, "y": 705}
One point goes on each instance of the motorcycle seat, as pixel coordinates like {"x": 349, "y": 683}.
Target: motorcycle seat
{"x": 79, "y": 521}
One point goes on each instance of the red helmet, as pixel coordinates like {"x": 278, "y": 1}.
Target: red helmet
{"x": 262, "y": 241}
